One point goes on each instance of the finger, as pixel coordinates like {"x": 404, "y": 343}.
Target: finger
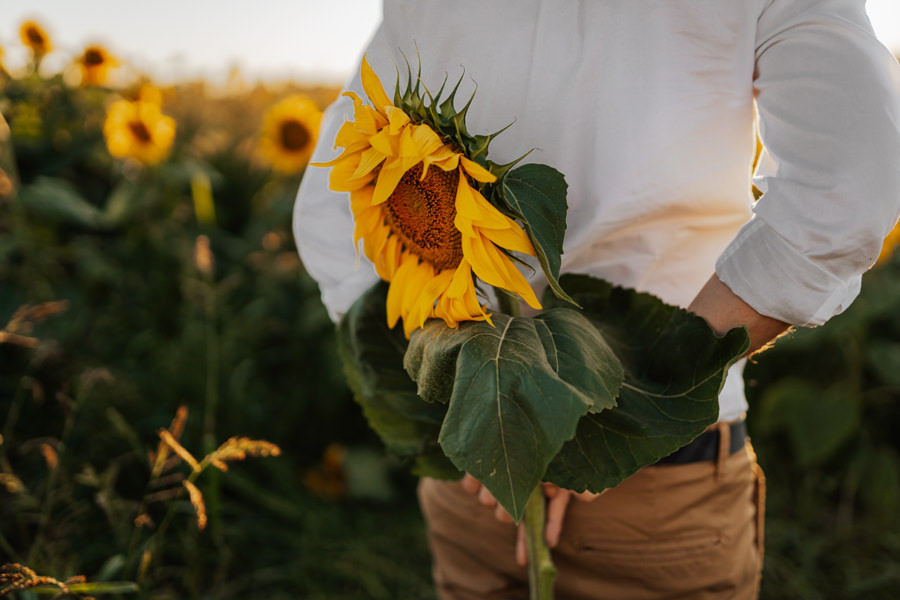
{"x": 521, "y": 547}
{"x": 556, "y": 512}
{"x": 485, "y": 497}
{"x": 501, "y": 515}
{"x": 470, "y": 484}
{"x": 551, "y": 490}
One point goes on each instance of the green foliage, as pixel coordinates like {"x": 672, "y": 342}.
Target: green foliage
{"x": 251, "y": 351}
{"x": 516, "y": 391}
{"x": 519, "y": 389}
{"x": 824, "y": 412}
{"x": 244, "y": 343}
{"x": 373, "y": 362}
{"x": 674, "y": 369}
{"x": 536, "y": 194}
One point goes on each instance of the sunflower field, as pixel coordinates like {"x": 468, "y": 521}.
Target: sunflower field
{"x": 175, "y": 421}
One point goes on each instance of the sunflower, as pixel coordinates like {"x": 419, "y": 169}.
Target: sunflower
{"x": 138, "y": 130}
{"x": 891, "y": 242}
{"x": 289, "y": 133}
{"x": 35, "y": 38}
{"x": 416, "y": 196}
{"x": 95, "y": 64}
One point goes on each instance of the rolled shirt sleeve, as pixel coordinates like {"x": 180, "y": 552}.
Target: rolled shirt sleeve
{"x": 323, "y": 224}
{"x": 829, "y": 110}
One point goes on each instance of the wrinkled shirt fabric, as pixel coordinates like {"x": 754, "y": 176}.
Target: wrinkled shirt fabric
{"x": 651, "y": 109}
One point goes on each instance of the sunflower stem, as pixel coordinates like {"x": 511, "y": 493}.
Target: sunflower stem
{"x": 541, "y": 571}
{"x": 507, "y": 303}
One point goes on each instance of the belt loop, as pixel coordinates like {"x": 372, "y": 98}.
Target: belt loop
{"x": 724, "y": 448}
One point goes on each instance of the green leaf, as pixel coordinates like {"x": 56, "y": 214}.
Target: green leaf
{"x": 817, "y": 420}
{"x": 515, "y": 392}
{"x": 536, "y": 194}
{"x": 883, "y": 356}
{"x": 372, "y": 355}
{"x": 674, "y": 369}
{"x": 881, "y": 485}
{"x": 53, "y": 199}
{"x": 128, "y": 201}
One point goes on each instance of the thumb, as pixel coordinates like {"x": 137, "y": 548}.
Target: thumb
{"x": 521, "y": 546}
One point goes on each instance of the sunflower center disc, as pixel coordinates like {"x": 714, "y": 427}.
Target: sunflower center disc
{"x": 35, "y": 36}
{"x": 93, "y": 58}
{"x": 421, "y": 212}
{"x": 140, "y": 131}
{"x": 294, "y": 136}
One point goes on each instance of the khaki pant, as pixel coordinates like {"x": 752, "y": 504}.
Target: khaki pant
{"x": 692, "y": 531}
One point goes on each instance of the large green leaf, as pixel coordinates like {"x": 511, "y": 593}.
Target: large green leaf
{"x": 536, "y": 194}
{"x": 372, "y": 355}
{"x": 516, "y": 391}
{"x": 52, "y": 199}
{"x": 532, "y": 399}
{"x": 674, "y": 369}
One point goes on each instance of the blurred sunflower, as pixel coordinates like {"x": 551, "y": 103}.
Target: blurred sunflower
{"x": 890, "y": 244}
{"x": 289, "y": 133}
{"x": 149, "y": 93}
{"x": 138, "y": 130}
{"x": 95, "y": 64}
{"x": 415, "y": 196}
{"x": 35, "y": 38}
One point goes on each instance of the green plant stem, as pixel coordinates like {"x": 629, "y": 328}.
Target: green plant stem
{"x": 213, "y": 487}
{"x": 52, "y": 477}
{"x": 507, "y": 303}
{"x": 541, "y": 571}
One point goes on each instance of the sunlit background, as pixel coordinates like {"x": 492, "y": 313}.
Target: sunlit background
{"x": 304, "y": 40}
{"x": 174, "y": 40}
{"x": 148, "y": 276}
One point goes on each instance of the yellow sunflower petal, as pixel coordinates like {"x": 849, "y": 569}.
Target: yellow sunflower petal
{"x": 367, "y": 218}
{"x": 373, "y": 88}
{"x": 397, "y": 119}
{"x": 444, "y": 157}
{"x": 460, "y": 301}
{"x": 374, "y": 245}
{"x": 416, "y": 282}
{"x": 388, "y": 178}
{"x": 396, "y": 290}
{"x": 405, "y": 292}
{"x": 384, "y": 142}
{"x": 424, "y": 304}
{"x": 476, "y": 171}
{"x": 462, "y": 281}
{"x": 350, "y": 138}
{"x": 365, "y": 118}
{"x": 512, "y": 238}
{"x": 493, "y": 268}
{"x": 419, "y": 141}
{"x": 341, "y": 178}
{"x": 368, "y": 160}
{"x": 473, "y": 210}
{"x": 389, "y": 261}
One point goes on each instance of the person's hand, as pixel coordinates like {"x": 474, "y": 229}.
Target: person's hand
{"x": 557, "y": 502}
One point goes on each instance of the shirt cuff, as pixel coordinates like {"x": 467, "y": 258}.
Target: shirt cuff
{"x": 770, "y": 275}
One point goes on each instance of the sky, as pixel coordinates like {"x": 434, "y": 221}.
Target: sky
{"x": 300, "y": 40}
{"x": 174, "y": 40}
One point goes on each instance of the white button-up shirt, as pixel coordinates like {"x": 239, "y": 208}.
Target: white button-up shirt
{"x": 650, "y": 109}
